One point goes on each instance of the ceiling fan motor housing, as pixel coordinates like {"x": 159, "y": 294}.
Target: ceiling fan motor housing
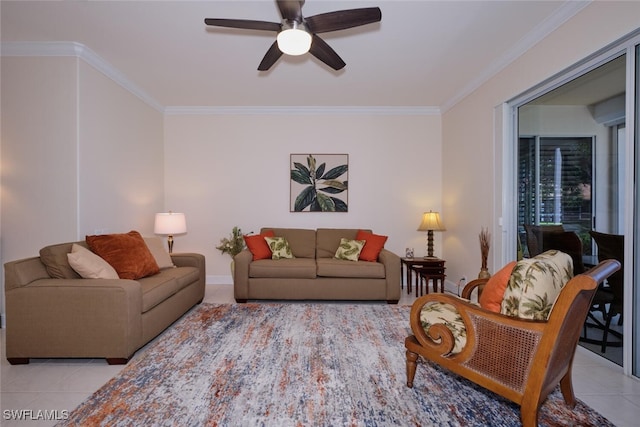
{"x": 294, "y": 39}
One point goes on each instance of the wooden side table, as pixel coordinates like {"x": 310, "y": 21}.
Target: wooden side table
{"x": 424, "y": 269}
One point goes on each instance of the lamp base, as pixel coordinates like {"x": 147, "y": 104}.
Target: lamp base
{"x": 170, "y": 243}
{"x": 430, "y": 244}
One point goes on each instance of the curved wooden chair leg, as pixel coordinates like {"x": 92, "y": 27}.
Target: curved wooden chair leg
{"x": 529, "y": 414}
{"x": 411, "y": 367}
{"x": 566, "y": 387}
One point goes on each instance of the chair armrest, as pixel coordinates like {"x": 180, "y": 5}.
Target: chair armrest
{"x": 471, "y": 286}
{"x": 440, "y": 342}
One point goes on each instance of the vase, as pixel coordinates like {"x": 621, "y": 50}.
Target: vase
{"x": 233, "y": 270}
{"x": 484, "y": 273}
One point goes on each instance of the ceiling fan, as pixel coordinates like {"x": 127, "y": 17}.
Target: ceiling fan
{"x": 298, "y": 35}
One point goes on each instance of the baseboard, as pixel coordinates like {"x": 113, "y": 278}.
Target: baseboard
{"x": 219, "y": 280}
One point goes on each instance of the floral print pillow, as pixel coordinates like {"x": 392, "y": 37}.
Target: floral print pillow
{"x": 438, "y": 312}
{"x": 534, "y": 285}
{"x": 349, "y": 249}
{"x": 280, "y": 248}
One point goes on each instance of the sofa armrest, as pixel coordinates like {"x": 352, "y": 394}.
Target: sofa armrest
{"x": 392, "y": 273}
{"x": 74, "y": 318}
{"x": 241, "y": 275}
{"x": 188, "y": 259}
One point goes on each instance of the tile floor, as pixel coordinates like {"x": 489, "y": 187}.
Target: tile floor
{"x": 62, "y": 384}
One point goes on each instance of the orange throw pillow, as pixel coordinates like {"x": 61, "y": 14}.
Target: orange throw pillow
{"x": 258, "y": 246}
{"x": 127, "y": 253}
{"x": 372, "y": 247}
{"x": 493, "y": 291}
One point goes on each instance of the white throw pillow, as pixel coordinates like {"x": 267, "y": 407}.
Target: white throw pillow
{"x": 89, "y": 265}
{"x": 157, "y": 249}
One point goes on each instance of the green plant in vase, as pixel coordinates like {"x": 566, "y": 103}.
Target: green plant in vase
{"x": 232, "y": 245}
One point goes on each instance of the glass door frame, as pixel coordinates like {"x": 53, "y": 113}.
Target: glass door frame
{"x": 507, "y": 120}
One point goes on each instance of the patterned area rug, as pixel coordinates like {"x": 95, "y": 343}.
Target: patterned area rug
{"x": 298, "y": 364}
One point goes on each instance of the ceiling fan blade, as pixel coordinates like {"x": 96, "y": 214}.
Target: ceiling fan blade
{"x": 244, "y": 23}
{"x": 321, "y": 50}
{"x": 291, "y": 9}
{"x": 270, "y": 58}
{"x": 343, "y": 19}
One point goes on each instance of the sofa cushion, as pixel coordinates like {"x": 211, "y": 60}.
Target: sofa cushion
{"x": 258, "y": 245}
{"x": 332, "y": 267}
{"x": 372, "y": 247}
{"x": 157, "y": 288}
{"x": 349, "y": 250}
{"x": 493, "y": 291}
{"x": 89, "y": 265}
{"x": 157, "y": 248}
{"x": 54, "y": 258}
{"x": 300, "y": 268}
{"x": 127, "y": 253}
{"x": 301, "y": 241}
{"x": 183, "y": 275}
{"x": 328, "y": 240}
{"x": 535, "y": 283}
{"x": 279, "y": 247}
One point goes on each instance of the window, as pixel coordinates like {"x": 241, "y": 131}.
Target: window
{"x": 555, "y": 182}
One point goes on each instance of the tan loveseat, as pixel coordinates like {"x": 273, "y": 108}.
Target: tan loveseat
{"x": 314, "y": 273}
{"x": 72, "y": 317}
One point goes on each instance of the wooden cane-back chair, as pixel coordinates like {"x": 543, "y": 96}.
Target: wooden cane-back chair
{"x": 521, "y": 360}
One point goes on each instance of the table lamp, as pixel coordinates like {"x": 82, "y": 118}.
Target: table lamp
{"x": 169, "y": 224}
{"x": 430, "y": 222}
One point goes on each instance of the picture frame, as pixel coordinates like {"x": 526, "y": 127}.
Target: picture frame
{"x": 319, "y": 183}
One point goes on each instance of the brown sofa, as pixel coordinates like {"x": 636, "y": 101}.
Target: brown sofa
{"x": 314, "y": 273}
{"x": 71, "y": 317}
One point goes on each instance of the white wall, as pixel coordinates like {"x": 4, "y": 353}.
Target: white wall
{"x": 78, "y": 153}
{"x": 472, "y": 185}
{"x": 121, "y": 158}
{"x": 39, "y": 153}
{"x": 227, "y": 170}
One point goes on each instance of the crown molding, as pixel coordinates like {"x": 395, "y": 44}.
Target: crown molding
{"x": 304, "y": 110}
{"x": 79, "y": 50}
{"x": 564, "y": 12}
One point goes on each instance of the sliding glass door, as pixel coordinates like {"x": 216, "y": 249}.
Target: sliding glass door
{"x": 633, "y": 250}
{"x": 572, "y": 165}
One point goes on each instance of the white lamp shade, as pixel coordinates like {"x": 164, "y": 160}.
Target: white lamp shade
{"x": 170, "y": 223}
{"x": 294, "y": 41}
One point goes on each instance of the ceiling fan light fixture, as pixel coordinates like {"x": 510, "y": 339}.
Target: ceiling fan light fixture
{"x": 294, "y": 40}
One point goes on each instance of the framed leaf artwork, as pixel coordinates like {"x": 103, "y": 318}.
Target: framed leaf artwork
{"x": 319, "y": 182}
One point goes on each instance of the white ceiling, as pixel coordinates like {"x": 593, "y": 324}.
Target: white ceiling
{"x": 422, "y": 54}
